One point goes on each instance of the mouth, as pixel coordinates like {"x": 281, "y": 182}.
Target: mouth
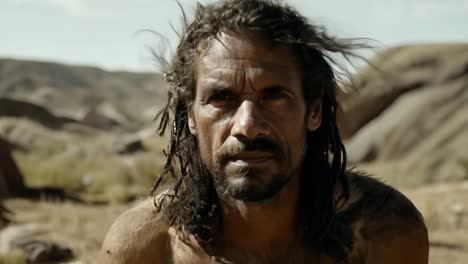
{"x": 251, "y": 157}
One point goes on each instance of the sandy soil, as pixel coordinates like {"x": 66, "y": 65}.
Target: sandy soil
{"x": 445, "y": 210}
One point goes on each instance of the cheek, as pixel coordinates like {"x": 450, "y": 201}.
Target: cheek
{"x": 292, "y": 129}
{"x": 212, "y": 133}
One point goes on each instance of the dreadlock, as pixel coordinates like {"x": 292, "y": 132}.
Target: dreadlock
{"x": 193, "y": 199}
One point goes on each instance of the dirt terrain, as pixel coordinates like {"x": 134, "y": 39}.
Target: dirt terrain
{"x": 445, "y": 210}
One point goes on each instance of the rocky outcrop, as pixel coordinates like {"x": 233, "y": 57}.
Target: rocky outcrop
{"x": 16, "y": 108}
{"x": 409, "y": 114}
{"x": 20, "y": 237}
{"x": 104, "y": 116}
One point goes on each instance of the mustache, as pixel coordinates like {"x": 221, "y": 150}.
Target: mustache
{"x": 244, "y": 145}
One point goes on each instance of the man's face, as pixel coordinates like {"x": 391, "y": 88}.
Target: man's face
{"x": 249, "y": 115}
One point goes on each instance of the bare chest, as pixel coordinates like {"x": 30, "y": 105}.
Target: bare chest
{"x": 184, "y": 253}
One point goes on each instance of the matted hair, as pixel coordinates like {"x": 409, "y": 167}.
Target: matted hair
{"x": 193, "y": 196}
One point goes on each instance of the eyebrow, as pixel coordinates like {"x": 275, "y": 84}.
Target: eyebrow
{"x": 273, "y": 88}
{"x": 215, "y": 88}
{"x": 219, "y": 88}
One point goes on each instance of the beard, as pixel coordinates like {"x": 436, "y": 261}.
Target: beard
{"x": 251, "y": 188}
{"x": 250, "y": 183}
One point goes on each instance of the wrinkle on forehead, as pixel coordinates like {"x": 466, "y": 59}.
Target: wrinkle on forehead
{"x": 239, "y": 59}
{"x": 230, "y": 71}
{"x": 220, "y": 64}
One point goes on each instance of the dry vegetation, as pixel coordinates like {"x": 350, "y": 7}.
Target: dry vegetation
{"x": 79, "y": 227}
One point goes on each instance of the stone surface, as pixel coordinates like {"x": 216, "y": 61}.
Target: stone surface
{"x": 411, "y": 111}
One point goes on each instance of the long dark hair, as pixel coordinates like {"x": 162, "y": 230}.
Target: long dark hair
{"x": 193, "y": 197}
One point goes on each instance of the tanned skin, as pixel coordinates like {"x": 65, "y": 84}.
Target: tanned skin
{"x": 262, "y": 96}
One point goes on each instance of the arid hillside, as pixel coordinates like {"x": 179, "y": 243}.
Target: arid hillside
{"x": 407, "y": 121}
{"x": 82, "y": 128}
{"x": 82, "y": 93}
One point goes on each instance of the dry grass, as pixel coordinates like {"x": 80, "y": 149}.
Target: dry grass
{"x": 15, "y": 257}
{"x": 79, "y": 227}
{"x": 109, "y": 176}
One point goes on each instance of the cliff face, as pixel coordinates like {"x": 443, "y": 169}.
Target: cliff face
{"x": 408, "y": 119}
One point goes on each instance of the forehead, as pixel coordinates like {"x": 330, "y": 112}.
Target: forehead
{"x": 241, "y": 51}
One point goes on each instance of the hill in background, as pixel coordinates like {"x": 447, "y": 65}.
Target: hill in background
{"x": 74, "y": 126}
{"x": 408, "y": 119}
{"x": 82, "y": 93}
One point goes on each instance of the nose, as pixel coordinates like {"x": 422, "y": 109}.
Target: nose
{"x": 248, "y": 121}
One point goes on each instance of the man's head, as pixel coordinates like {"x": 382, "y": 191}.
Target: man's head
{"x": 253, "y": 98}
{"x": 249, "y": 115}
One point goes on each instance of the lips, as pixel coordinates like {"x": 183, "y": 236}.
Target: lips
{"x": 251, "y": 157}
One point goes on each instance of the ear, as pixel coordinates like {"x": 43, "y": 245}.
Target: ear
{"x": 314, "y": 116}
{"x": 191, "y": 123}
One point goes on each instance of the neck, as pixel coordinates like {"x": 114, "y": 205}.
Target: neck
{"x": 261, "y": 226}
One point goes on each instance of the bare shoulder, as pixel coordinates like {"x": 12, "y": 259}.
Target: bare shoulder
{"x": 388, "y": 228}
{"x": 139, "y": 235}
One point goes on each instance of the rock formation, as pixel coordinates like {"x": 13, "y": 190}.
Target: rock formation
{"x": 408, "y": 117}
{"x": 17, "y": 108}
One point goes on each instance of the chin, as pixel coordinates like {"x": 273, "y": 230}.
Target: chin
{"x": 250, "y": 187}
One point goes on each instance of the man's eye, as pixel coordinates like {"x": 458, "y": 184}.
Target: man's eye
{"x": 221, "y": 96}
{"x": 273, "y": 95}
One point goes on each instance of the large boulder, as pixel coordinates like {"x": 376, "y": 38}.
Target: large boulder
{"x": 408, "y": 118}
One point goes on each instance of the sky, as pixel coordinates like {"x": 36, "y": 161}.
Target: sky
{"x": 110, "y": 33}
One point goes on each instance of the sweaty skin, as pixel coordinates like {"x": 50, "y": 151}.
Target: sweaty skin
{"x": 248, "y": 88}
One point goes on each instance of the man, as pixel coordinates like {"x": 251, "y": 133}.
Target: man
{"x": 257, "y": 157}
